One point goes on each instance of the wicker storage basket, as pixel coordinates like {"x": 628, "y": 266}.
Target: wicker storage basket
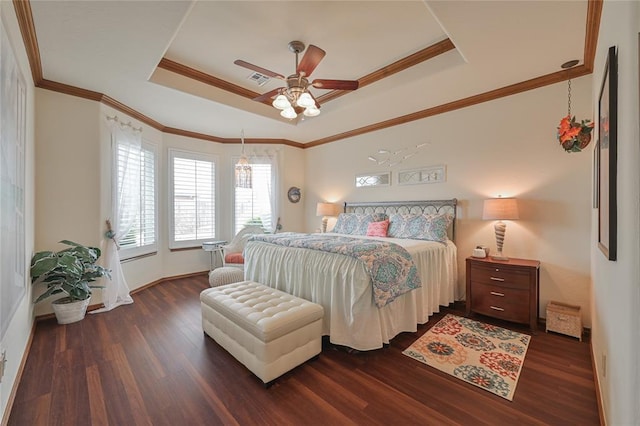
{"x": 565, "y": 319}
{"x": 69, "y": 312}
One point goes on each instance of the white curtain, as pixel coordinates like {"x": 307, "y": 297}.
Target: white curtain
{"x": 272, "y": 158}
{"x": 270, "y": 188}
{"x": 125, "y": 208}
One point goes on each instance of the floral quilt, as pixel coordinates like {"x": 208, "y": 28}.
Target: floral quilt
{"x": 389, "y": 265}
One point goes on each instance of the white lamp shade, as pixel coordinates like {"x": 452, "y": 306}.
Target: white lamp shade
{"x": 500, "y": 209}
{"x": 311, "y": 111}
{"x": 305, "y": 100}
{"x": 288, "y": 113}
{"x": 326, "y": 209}
{"x": 281, "y": 102}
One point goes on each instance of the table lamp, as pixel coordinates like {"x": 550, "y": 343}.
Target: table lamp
{"x": 325, "y": 210}
{"x": 500, "y": 209}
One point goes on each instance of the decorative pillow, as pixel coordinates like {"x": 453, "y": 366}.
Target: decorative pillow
{"x": 378, "y": 229}
{"x": 234, "y": 258}
{"x": 432, "y": 227}
{"x": 356, "y": 223}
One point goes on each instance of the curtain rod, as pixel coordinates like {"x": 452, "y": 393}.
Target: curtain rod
{"x": 123, "y": 124}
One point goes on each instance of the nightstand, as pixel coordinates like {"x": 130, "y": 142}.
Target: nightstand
{"x": 504, "y": 289}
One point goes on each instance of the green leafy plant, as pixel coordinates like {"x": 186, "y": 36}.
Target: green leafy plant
{"x": 69, "y": 271}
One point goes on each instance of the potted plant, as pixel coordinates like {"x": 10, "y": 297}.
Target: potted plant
{"x": 70, "y": 271}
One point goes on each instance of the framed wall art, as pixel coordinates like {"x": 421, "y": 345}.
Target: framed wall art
{"x": 607, "y": 155}
{"x": 433, "y": 174}
{"x": 596, "y": 175}
{"x": 374, "y": 179}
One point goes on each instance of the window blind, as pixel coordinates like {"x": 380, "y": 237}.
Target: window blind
{"x": 253, "y": 205}
{"x": 193, "y": 197}
{"x": 143, "y": 232}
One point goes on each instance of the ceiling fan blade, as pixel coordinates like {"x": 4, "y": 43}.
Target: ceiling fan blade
{"x": 310, "y": 60}
{"x": 336, "y": 84}
{"x": 314, "y": 99}
{"x": 261, "y": 70}
{"x": 266, "y": 97}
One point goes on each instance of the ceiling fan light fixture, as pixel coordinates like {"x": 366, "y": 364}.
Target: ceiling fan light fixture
{"x": 311, "y": 111}
{"x": 281, "y": 102}
{"x": 305, "y": 101}
{"x": 295, "y": 95}
{"x": 289, "y": 113}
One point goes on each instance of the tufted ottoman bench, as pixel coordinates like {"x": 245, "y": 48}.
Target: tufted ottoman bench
{"x": 267, "y": 330}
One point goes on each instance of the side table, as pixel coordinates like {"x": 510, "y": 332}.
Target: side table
{"x": 215, "y": 248}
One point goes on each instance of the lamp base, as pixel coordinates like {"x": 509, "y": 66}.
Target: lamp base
{"x": 325, "y": 219}
{"x": 499, "y": 256}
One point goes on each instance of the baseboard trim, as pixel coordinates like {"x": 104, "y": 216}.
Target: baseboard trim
{"x": 596, "y": 380}
{"x": 137, "y": 290}
{"x": 175, "y": 277}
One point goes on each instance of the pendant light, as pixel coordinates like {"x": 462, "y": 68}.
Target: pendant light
{"x": 243, "y": 168}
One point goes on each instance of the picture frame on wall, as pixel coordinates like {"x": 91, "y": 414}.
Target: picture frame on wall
{"x": 607, "y": 156}
{"x": 596, "y": 174}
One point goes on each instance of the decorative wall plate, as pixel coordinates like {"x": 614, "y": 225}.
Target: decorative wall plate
{"x": 294, "y": 194}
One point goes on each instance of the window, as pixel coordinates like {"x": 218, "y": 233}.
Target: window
{"x": 253, "y": 205}
{"x": 141, "y": 238}
{"x": 192, "y": 198}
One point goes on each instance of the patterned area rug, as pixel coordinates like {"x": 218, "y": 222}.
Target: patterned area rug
{"x": 484, "y": 355}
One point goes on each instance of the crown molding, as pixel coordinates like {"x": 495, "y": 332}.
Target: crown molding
{"x": 513, "y": 89}
{"x": 205, "y": 78}
{"x": 594, "y": 12}
{"x": 28, "y": 31}
{"x": 400, "y": 65}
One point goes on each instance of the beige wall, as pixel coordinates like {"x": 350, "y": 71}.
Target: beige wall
{"x": 504, "y": 147}
{"x": 16, "y": 338}
{"x": 616, "y": 285}
{"x": 74, "y": 184}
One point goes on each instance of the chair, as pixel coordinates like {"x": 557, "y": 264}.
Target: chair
{"x": 233, "y": 250}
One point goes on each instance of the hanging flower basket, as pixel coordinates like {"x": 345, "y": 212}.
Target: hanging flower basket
{"x": 574, "y": 136}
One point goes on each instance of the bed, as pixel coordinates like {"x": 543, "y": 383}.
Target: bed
{"x": 342, "y": 285}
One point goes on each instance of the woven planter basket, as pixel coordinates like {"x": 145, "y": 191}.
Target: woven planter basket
{"x": 68, "y": 312}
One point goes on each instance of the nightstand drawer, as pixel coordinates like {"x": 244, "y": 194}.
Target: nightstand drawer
{"x": 500, "y": 275}
{"x": 500, "y": 302}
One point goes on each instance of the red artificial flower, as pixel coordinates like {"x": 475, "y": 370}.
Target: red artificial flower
{"x": 574, "y": 136}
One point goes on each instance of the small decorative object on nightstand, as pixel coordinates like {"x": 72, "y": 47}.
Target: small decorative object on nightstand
{"x": 564, "y": 318}
{"x": 504, "y": 289}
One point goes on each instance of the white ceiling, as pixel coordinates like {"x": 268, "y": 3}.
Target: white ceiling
{"x": 113, "y": 47}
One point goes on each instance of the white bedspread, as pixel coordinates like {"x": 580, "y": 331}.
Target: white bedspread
{"x": 342, "y": 286}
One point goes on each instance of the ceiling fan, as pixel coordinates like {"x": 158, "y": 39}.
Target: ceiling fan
{"x": 295, "y": 97}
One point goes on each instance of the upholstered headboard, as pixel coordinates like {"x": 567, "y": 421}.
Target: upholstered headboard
{"x": 409, "y": 207}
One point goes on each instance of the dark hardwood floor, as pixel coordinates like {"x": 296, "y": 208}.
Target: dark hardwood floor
{"x": 150, "y": 363}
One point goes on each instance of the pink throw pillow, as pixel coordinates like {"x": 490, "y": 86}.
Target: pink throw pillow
{"x": 234, "y": 258}
{"x": 378, "y": 229}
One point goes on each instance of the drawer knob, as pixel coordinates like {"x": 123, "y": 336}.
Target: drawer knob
{"x": 495, "y": 308}
{"x": 496, "y": 279}
{"x": 495, "y": 293}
